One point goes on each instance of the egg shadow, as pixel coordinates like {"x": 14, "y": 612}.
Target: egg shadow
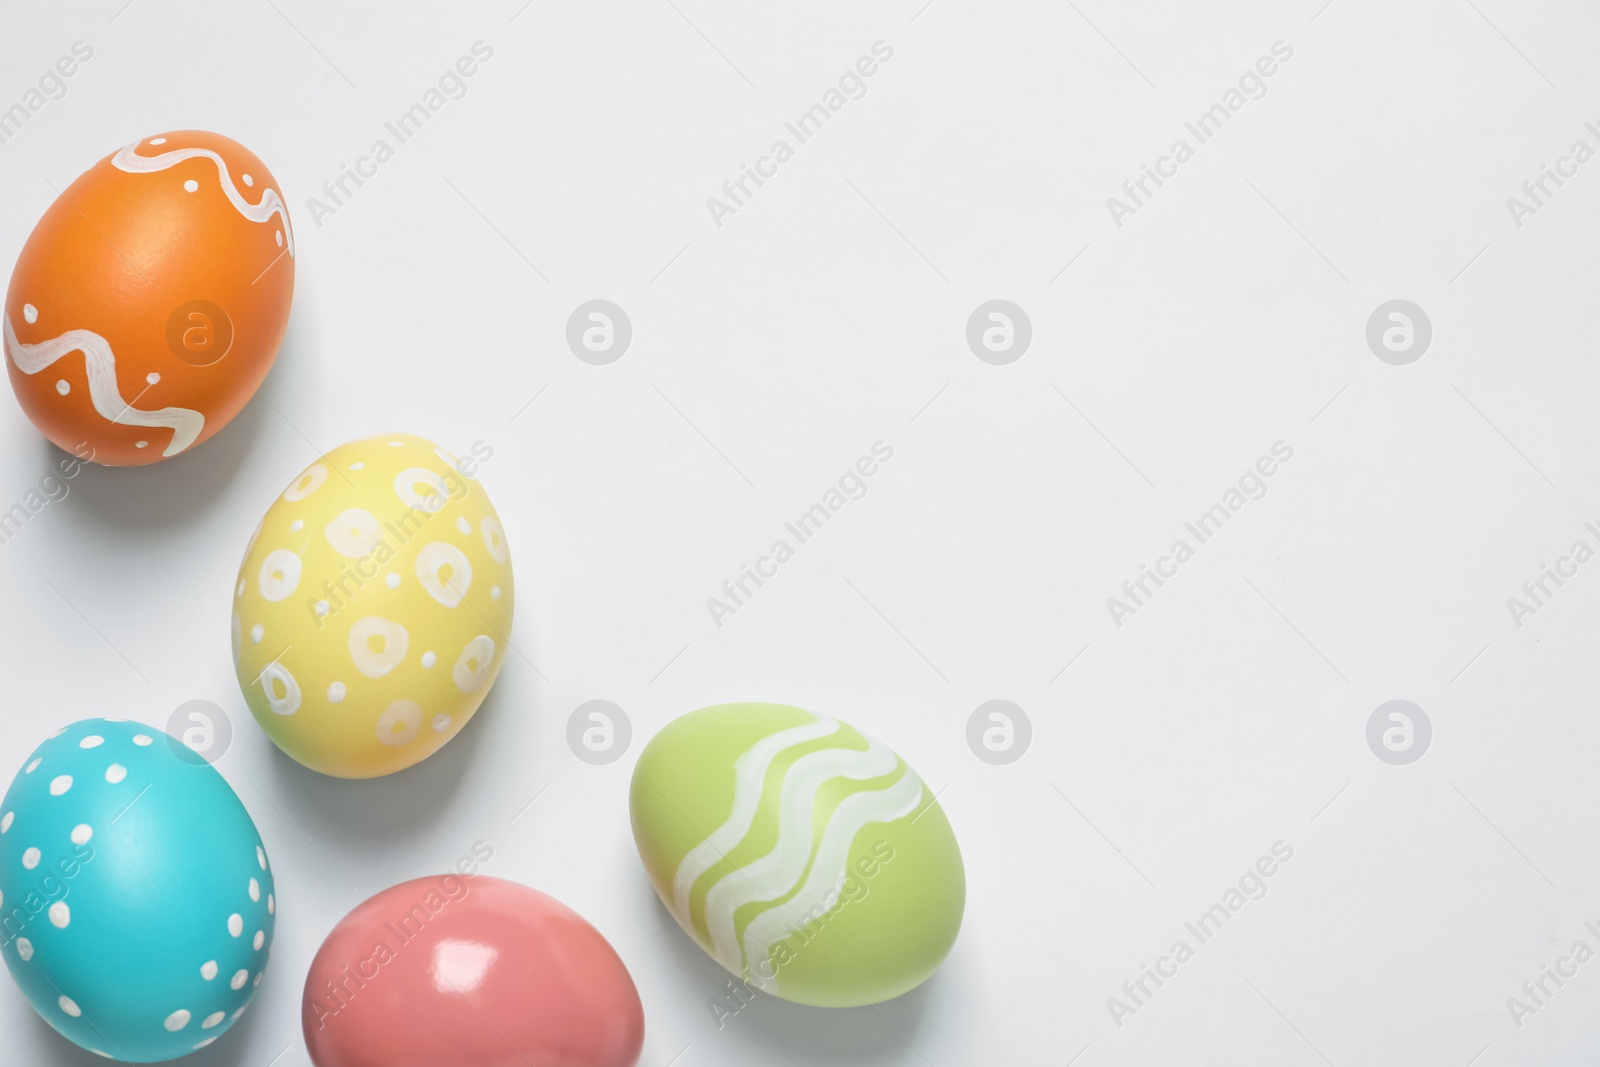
{"x": 149, "y": 501}
{"x": 61, "y": 1050}
{"x": 236, "y": 1048}
{"x": 770, "y": 1030}
{"x": 365, "y": 817}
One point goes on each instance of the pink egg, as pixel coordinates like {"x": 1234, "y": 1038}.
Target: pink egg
{"x": 452, "y": 971}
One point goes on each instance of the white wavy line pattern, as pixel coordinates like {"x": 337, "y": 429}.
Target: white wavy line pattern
{"x": 100, "y": 366}
{"x": 774, "y": 874}
{"x": 750, "y": 775}
{"x": 129, "y": 160}
{"x": 819, "y": 864}
{"x": 830, "y": 868}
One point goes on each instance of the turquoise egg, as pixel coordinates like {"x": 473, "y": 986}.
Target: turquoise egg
{"x": 136, "y": 903}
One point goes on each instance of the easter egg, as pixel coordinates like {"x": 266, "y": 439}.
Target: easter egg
{"x": 805, "y": 857}
{"x": 136, "y": 904}
{"x": 459, "y": 971}
{"x": 149, "y": 301}
{"x": 373, "y": 607}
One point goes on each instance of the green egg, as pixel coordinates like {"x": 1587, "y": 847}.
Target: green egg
{"x": 805, "y": 857}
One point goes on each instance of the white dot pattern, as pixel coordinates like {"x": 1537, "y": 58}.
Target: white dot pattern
{"x": 338, "y": 631}
{"x": 84, "y": 786}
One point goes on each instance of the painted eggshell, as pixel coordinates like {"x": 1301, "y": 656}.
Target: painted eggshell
{"x": 373, "y": 608}
{"x": 805, "y": 857}
{"x": 136, "y": 904}
{"x": 150, "y": 300}
{"x": 456, "y": 971}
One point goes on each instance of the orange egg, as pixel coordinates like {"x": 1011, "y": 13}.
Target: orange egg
{"x": 150, "y": 300}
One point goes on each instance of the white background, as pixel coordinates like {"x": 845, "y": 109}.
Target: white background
{"x": 830, "y": 312}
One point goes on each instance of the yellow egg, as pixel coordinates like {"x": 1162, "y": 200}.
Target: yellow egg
{"x": 373, "y": 608}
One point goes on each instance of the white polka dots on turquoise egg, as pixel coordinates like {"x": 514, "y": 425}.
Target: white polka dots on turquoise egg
{"x": 137, "y": 905}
